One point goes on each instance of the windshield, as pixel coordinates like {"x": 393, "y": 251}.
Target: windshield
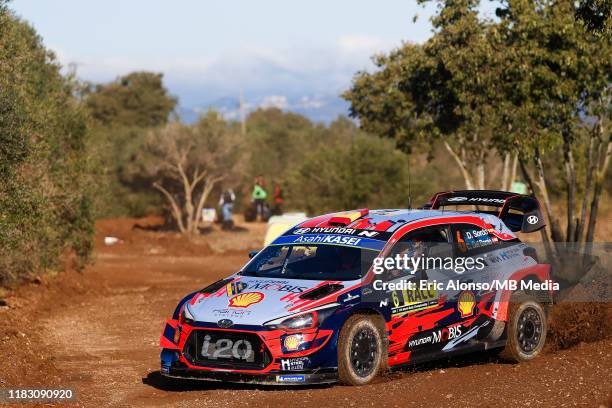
{"x": 311, "y": 262}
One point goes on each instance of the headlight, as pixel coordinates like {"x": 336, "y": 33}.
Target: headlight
{"x": 303, "y": 321}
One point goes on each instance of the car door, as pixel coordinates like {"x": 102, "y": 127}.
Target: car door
{"x": 471, "y": 243}
{"x": 420, "y": 317}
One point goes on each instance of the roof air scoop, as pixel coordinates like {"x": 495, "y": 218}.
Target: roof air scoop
{"x": 345, "y": 218}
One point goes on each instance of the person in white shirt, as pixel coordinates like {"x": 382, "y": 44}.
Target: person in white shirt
{"x": 226, "y": 202}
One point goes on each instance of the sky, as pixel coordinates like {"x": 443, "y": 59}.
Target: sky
{"x": 295, "y": 55}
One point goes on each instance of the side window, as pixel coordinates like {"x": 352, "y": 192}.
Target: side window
{"x": 421, "y": 243}
{"x": 275, "y": 259}
{"x": 471, "y": 239}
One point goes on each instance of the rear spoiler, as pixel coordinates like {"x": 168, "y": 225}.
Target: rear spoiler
{"x": 519, "y": 212}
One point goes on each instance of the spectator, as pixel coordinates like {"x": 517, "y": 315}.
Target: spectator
{"x": 259, "y": 196}
{"x": 226, "y": 202}
{"x": 278, "y": 200}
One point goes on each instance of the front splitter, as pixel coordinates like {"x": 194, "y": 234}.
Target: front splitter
{"x": 294, "y": 378}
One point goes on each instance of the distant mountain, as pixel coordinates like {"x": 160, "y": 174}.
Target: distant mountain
{"x": 316, "y": 108}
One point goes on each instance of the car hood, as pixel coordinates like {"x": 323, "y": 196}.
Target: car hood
{"x": 253, "y": 300}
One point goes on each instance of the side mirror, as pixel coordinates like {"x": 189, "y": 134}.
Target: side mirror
{"x": 253, "y": 253}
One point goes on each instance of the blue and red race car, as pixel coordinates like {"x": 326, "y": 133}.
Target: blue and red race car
{"x": 317, "y": 305}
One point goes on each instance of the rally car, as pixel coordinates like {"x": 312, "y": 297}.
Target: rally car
{"x": 312, "y": 308}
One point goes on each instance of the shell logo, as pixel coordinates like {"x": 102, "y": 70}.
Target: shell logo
{"x": 292, "y": 342}
{"x": 466, "y": 303}
{"x": 246, "y": 299}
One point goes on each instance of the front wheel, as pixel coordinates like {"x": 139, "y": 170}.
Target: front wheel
{"x": 527, "y": 327}
{"x": 361, "y": 350}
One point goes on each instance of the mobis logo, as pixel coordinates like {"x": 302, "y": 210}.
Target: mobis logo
{"x": 437, "y": 336}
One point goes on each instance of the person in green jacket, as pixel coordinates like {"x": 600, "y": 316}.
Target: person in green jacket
{"x": 259, "y": 196}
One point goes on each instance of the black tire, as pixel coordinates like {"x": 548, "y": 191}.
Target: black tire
{"x": 362, "y": 351}
{"x": 526, "y": 329}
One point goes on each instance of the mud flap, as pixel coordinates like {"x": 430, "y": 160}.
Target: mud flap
{"x": 496, "y": 331}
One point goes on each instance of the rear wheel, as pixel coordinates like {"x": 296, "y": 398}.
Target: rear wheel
{"x": 361, "y": 350}
{"x": 527, "y": 328}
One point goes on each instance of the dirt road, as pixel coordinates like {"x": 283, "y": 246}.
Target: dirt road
{"x": 97, "y": 332}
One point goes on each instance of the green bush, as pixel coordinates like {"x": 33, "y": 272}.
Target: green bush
{"x": 366, "y": 172}
{"x": 45, "y": 206}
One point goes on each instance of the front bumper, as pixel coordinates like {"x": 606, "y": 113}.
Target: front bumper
{"x": 293, "y": 378}
{"x": 313, "y": 360}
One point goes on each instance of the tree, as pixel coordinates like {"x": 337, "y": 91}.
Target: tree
{"x": 280, "y": 138}
{"x": 534, "y": 85}
{"x": 187, "y": 162}
{"x": 137, "y": 99}
{"x": 124, "y": 111}
{"x": 444, "y": 90}
{"x": 526, "y": 84}
{"x": 559, "y": 106}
